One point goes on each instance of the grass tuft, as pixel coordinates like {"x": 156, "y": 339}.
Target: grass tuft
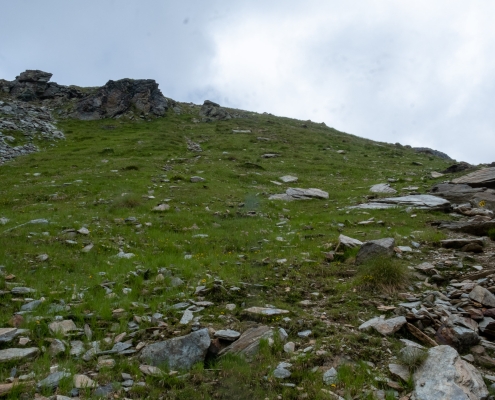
{"x": 383, "y": 273}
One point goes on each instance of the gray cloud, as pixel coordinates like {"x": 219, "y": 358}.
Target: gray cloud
{"x": 419, "y": 73}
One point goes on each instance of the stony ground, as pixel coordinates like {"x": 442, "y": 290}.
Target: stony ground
{"x": 145, "y": 259}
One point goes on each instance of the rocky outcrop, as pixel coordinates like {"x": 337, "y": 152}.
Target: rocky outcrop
{"x": 115, "y": 98}
{"x": 118, "y": 97}
{"x": 211, "y": 111}
{"x": 32, "y": 121}
{"x": 435, "y": 153}
{"x": 484, "y": 177}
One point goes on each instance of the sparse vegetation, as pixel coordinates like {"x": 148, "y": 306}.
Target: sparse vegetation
{"x": 383, "y": 273}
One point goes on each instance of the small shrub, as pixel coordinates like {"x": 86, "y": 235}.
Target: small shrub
{"x": 129, "y": 200}
{"x": 412, "y": 357}
{"x": 384, "y": 273}
{"x": 491, "y": 233}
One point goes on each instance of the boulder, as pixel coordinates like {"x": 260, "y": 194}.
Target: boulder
{"x": 458, "y": 167}
{"x": 375, "y": 248}
{"x": 460, "y": 243}
{"x": 474, "y": 226}
{"x": 444, "y": 375}
{"x": 178, "y": 353}
{"x": 14, "y": 354}
{"x": 300, "y": 194}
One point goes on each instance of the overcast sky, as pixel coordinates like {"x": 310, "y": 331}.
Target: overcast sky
{"x": 415, "y": 72}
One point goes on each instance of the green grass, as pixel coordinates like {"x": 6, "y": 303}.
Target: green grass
{"x": 100, "y": 177}
{"x": 384, "y": 273}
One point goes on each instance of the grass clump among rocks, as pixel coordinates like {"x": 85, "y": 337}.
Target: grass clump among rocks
{"x": 383, "y": 273}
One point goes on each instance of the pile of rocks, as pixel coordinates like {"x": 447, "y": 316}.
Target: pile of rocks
{"x": 32, "y": 121}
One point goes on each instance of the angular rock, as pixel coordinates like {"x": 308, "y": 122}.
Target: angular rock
{"x": 482, "y": 296}
{"x": 375, "y": 248}
{"x": 83, "y": 382}
{"x": 474, "y": 227}
{"x": 399, "y": 370}
{"x": 384, "y": 326}
{"x": 63, "y": 327}
{"x": 211, "y": 111}
{"x": 248, "y": 343}
{"x": 53, "y": 380}
{"x": 444, "y": 375}
{"x": 459, "y": 243}
{"x": 56, "y": 347}
{"x": 348, "y": 242}
{"x": 178, "y": 353}
{"x": 330, "y": 376}
{"x": 265, "y": 311}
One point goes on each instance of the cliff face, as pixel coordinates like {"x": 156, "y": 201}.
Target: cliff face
{"x": 112, "y": 100}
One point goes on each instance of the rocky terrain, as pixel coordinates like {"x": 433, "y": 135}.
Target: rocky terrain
{"x": 189, "y": 251}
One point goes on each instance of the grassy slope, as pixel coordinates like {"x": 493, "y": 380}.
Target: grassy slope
{"x": 77, "y": 189}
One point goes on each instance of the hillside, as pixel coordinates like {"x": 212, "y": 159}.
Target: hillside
{"x": 149, "y": 226}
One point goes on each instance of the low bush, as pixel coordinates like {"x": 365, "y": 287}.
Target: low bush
{"x": 383, "y": 273}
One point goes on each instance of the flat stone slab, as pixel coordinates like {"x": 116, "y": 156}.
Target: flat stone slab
{"x": 373, "y": 206}
{"x": 483, "y": 177}
{"x": 421, "y": 201}
{"x": 300, "y": 194}
{"x": 288, "y": 178}
{"x": 265, "y": 311}
{"x": 227, "y": 334}
{"x": 17, "y": 354}
{"x": 473, "y": 227}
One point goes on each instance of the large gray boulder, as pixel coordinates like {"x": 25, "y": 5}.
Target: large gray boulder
{"x": 444, "y": 375}
{"x": 178, "y": 353}
{"x": 483, "y": 177}
{"x": 375, "y": 248}
{"x": 482, "y": 296}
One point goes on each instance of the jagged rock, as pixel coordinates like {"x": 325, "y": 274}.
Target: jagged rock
{"x": 211, "y": 111}
{"x": 118, "y": 97}
{"x": 384, "y": 326}
{"x": 374, "y": 248}
{"x": 484, "y": 177}
{"x": 56, "y": 347}
{"x": 463, "y": 193}
{"x": 444, "y": 375}
{"x": 17, "y": 354}
{"x": 178, "y": 353}
{"x": 457, "y": 336}
{"x": 83, "y": 382}
{"x": 382, "y": 188}
{"x": 248, "y": 343}
{"x": 482, "y": 296}
{"x": 330, "y": 376}
{"x": 459, "y": 167}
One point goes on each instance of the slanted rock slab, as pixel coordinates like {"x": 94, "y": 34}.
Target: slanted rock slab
{"x": 382, "y": 188}
{"x": 178, "y": 353}
{"x": 249, "y": 342}
{"x": 444, "y": 375}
